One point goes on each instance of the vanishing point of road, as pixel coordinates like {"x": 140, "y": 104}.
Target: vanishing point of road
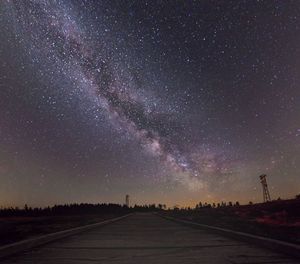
{"x": 145, "y": 239}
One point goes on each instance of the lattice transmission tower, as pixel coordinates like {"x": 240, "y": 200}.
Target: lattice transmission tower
{"x": 266, "y": 194}
{"x": 127, "y": 200}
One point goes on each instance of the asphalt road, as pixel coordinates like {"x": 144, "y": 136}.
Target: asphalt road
{"x": 145, "y": 239}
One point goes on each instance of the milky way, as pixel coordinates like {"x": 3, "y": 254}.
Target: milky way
{"x": 55, "y": 35}
{"x": 186, "y": 99}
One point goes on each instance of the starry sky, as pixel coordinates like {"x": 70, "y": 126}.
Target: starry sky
{"x": 171, "y": 102}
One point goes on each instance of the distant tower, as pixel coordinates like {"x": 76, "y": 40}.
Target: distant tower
{"x": 127, "y": 200}
{"x": 266, "y": 194}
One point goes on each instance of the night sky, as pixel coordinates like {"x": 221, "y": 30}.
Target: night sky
{"x": 168, "y": 101}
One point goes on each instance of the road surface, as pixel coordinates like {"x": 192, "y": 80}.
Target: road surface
{"x": 145, "y": 239}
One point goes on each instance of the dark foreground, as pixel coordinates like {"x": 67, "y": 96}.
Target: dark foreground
{"x": 14, "y": 229}
{"x": 147, "y": 238}
{"x": 277, "y": 219}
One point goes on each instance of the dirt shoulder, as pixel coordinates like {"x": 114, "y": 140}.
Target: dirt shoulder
{"x": 279, "y": 219}
{"x": 17, "y": 228}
